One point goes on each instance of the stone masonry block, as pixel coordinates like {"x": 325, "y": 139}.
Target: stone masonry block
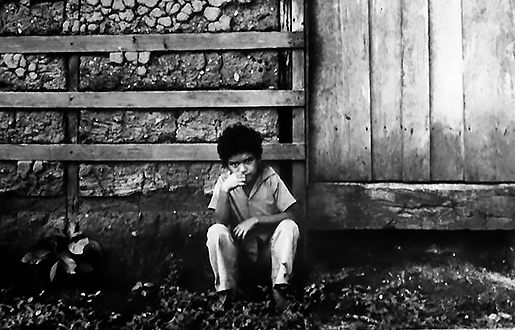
{"x": 129, "y": 179}
{"x": 7, "y": 123}
{"x": 138, "y": 241}
{"x": 257, "y": 15}
{"x": 207, "y": 125}
{"x": 32, "y": 178}
{"x": 32, "y": 72}
{"x": 167, "y": 71}
{"x": 127, "y": 127}
{"x": 38, "y": 127}
{"x": 40, "y": 18}
{"x": 250, "y": 69}
{"x": 198, "y": 16}
{"x": 21, "y": 228}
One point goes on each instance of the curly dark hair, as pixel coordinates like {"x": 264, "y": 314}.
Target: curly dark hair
{"x": 237, "y": 139}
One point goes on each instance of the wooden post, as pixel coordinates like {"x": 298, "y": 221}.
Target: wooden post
{"x": 72, "y": 132}
{"x": 292, "y": 20}
{"x": 298, "y": 114}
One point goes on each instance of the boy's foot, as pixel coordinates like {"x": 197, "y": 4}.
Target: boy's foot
{"x": 223, "y": 301}
{"x": 280, "y": 297}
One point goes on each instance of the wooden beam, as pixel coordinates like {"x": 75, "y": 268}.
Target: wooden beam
{"x": 411, "y": 206}
{"x": 151, "y": 42}
{"x": 169, "y": 100}
{"x": 136, "y": 152}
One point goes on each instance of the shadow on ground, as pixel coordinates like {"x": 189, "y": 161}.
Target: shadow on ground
{"x": 412, "y": 279}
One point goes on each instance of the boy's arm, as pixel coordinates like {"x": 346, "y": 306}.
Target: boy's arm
{"x": 244, "y": 227}
{"x": 222, "y": 212}
{"x": 276, "y": 218}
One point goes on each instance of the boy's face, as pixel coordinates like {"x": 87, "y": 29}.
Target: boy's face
{"x": 244, "y": 163}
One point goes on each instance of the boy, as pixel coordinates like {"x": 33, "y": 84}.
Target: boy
{"x": 252, "y": 209}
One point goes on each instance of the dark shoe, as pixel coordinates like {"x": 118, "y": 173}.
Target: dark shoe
{"x": 223, "y": 301}
{"x": 280, "y": 297}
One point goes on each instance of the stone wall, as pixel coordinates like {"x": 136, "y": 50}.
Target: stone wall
{"x": 139, "y": 212}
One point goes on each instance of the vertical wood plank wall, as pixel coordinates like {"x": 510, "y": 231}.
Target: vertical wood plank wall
{"x": 386, "y": 85}
{"x": 415, "y": 91}
{"x": 412, "y": 91}
{"x": 446, "y": 73}
{"x": 489, "y": 74}
{"x": 339, "y": 91}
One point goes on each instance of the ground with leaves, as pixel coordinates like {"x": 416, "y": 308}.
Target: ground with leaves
{"x": 393, "y": 285}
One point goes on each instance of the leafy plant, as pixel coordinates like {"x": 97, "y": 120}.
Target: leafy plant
{"x": 69, "y": 253}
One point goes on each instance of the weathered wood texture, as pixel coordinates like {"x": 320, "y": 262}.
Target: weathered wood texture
{"x": 370, "y": 116}
{"x": 430, "y": 100}
{"x": 157, "y": 42}
{"x": 411, "y": 206}
{"x": 339, "y": 91}
{"x": 441, "y": 111}
{"x": 446, "y": 72}
{"x": 415, "y": 91}
{"x": 298, "y": 114}
{"x": 386, "y": 85}
{"x": 72, "y": 136}
{"x": 137, "y": 152}
{"x": 489, "y": 72}
{"x": 169, "y": 100}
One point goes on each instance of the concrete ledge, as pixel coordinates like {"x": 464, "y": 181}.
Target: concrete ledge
{"x": 411, "y": 206}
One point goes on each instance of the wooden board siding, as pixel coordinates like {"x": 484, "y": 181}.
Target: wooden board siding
{"x": 439, "y": 99}
{"x": 447, "y": 150}
{"x": 489, "y": 34}
{"x": 400, "y": 90}
{"x": 386, "y": 83}
{"x": 339, "y": 91}
{"x": 415, "y": 91}
{"x": 411, "y": 206}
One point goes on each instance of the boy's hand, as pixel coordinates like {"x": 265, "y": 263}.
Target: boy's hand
{"x": 234, "y": 180}
{"x": 244, "y": 227}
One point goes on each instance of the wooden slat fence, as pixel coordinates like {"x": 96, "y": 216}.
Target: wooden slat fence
{"x": 290, "y": 99}
{"x": 282, "y": 99}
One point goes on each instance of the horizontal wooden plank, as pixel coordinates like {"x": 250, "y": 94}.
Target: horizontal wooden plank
{"x": 136, "y": 152}
{"x": 411, "y": 206}
{"x": 152, "y": 42}
{"x": 165, "y": 99}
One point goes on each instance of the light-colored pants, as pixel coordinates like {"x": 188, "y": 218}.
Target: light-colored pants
{"x": 223, "y": 254}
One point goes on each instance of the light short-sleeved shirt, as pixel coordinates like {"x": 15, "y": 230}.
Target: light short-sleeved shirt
{"x": 268, "y": 196}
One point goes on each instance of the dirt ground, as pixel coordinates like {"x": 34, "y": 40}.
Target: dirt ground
{"x": 403, "y": 279}
{"x": 349, "y": 280}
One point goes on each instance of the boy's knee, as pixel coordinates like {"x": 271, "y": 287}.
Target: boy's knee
{"x": 218, "y": 231}
{"x": 289, "y": 225}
